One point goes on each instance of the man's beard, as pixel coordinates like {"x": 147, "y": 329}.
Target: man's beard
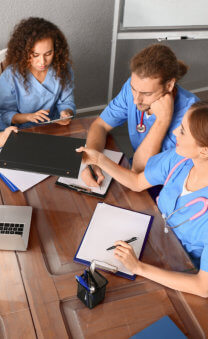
{"x": 143, "y": 107}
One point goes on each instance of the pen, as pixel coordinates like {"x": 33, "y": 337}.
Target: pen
{"x": 90, "y": 288}
{"x": 82, "y": 282}
{"x": 91, "y": 282}
{"x": 92, "y": 172}
{"x": 95, "y": 177}
{"x": 128, "y": 241}
{"x": 80, "y": 188}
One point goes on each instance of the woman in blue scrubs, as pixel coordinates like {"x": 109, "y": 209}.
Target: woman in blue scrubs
{"x": 37, "y": 84}
{"x": 184, "y": 173}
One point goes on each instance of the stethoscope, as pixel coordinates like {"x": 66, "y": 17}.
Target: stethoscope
{"x": 141, "y": 128}
{"x": 198, "y": 214}
{"x": 192, "y": 202}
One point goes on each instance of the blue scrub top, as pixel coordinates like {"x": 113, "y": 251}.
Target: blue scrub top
{"x": 193, "y": 234}
{"x": 14, "y": 98}
{"x": 122, "y": 109}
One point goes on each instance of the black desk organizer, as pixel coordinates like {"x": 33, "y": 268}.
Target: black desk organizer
{"x": 91, "y": 299}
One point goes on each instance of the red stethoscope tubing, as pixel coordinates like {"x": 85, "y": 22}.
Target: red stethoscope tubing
{"x": 141, "y": 128}
{"x": 142, "y": 117}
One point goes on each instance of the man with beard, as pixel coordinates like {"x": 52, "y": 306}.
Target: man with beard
{"x": 151, "y": 102}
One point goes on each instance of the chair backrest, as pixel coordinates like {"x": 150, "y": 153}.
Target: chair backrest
{"x": 2, "y": 58}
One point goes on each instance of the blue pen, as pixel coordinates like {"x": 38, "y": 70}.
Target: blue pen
{"x": 82, "y": 282}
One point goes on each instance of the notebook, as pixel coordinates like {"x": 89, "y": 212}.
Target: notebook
{"x": 79, "y": 185}
{"x": 42, "y": 153}
{"x": 108, "y": 224}
{"x": 164, "y": 328}
{"x": 14, "y": 227}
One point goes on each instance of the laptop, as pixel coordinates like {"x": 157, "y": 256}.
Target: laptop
{"x": 14, "y": 227}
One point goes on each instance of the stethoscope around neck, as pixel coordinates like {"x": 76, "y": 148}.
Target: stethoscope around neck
{"x": 192, "y": 202}
{"x": 196, "y": 215}
{"x": 141, "y": 128}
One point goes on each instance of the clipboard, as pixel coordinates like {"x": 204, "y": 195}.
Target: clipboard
{"x": 42, "y": 153}
{"x": 79, "y": 185}
{"x": 108, "y": 224}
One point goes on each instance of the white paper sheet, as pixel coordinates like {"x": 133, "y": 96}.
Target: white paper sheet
{"x": 109, "y": 224}
{"x": 23, "y": 180}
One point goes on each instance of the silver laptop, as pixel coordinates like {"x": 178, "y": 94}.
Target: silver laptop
{"x": 14, "y": 227}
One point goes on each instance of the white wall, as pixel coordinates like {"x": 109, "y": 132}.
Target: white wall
{"x": 193, "y": 53}
{"x": 87, "y": 25}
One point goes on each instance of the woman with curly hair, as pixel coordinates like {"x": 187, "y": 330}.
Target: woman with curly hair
{"x": 37, "y": 84}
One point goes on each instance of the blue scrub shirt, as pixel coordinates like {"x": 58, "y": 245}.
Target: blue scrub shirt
{"x": 122, "y": 109}
{"x": 14, "y": 98}
{"x": 1, "y": 123}
{"x": 193, "y": 234}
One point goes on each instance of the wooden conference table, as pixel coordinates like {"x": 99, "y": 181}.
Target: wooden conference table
{"x": 38, "y": 287}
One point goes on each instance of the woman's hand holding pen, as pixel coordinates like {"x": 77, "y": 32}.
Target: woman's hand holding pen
{"x": 89, "y": 179}
{"x": 91, "y": 157}
{"x": 125, "y": 254}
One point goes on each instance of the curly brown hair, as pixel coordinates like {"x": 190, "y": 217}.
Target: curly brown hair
{"x": 158, "y": 61}
{"x": 25, "y": 35}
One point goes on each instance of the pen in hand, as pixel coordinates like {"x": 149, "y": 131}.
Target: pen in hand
{"x": 95, "y": 177}
{"x": 93, "y": 173}
{"x": 127, "y": 241}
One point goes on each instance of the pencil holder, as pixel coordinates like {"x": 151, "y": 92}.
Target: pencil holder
{"x": 97, "y": 293}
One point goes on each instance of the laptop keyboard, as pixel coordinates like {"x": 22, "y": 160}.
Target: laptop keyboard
{"x": 10, "y": 228}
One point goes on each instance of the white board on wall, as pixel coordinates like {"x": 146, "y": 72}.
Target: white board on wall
{"x": 165, "y": 13}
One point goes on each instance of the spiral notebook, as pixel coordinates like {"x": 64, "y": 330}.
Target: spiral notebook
{"x": 109, "y": 224}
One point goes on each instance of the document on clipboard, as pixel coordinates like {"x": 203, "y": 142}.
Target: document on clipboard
{"x": 79, "y": 185}
{"x": 109, "y": 224}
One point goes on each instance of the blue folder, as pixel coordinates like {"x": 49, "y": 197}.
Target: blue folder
{"x": 164, "y": 328}
{"x": 11, "y": 186}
